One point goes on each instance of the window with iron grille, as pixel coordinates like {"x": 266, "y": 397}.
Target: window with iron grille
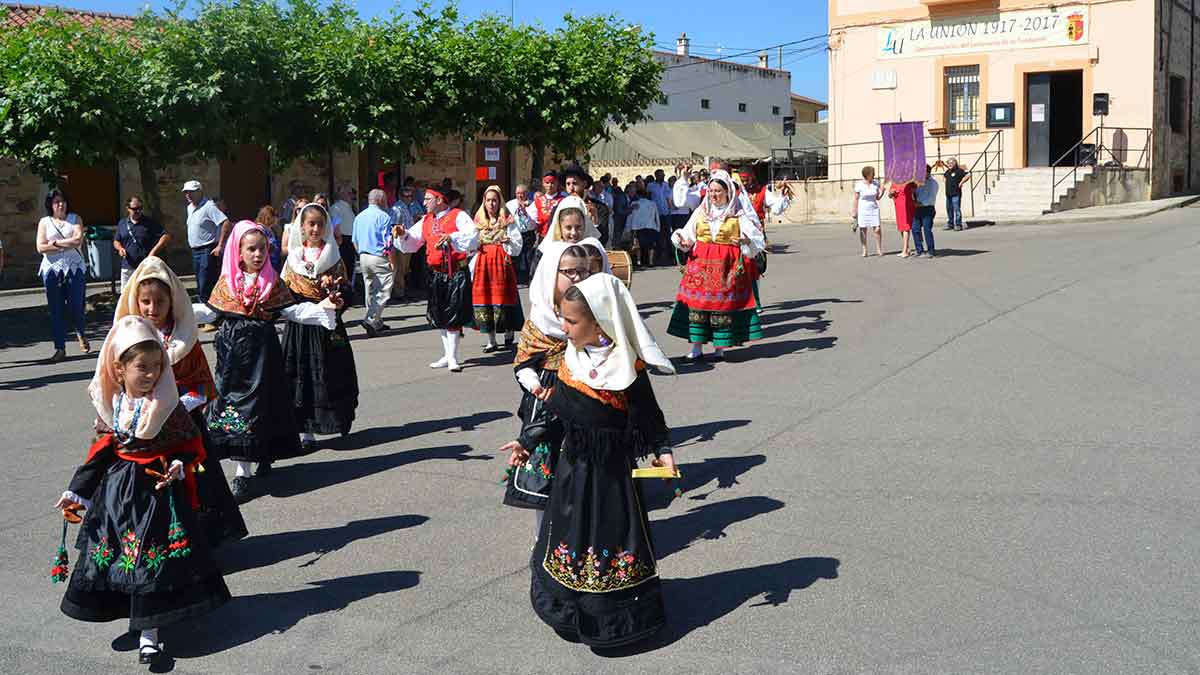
{"x": 774, "y": 110}
{"x": 704, "y": 104}
{"x": 962, "y": 99}
{"x": 741, "y": 107}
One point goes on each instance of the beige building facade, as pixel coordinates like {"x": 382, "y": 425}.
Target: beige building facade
{"x": 1021, "y": 76}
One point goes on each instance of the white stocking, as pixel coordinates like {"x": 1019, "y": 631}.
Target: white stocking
{"x": 241, "y": 469}
{"x": 149, "y": 638}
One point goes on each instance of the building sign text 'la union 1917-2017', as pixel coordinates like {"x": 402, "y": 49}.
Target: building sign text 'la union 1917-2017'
{"x": 1048, "y": 27}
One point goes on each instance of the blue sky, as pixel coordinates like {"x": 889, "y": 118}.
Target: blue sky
{"x": 730, "y": 27}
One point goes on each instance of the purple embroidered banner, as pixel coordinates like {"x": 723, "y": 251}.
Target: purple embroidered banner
{"x": 903, "y": 151}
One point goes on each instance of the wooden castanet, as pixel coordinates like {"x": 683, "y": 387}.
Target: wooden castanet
{"x": 622, "y": 266}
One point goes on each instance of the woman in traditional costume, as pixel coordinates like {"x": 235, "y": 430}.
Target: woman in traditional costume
{"x": 142, "y": 554}
{"x": 539, "y": 355}
{"x": 493, "y": 274}
{"x": 252, "y": 418}
{"x": 319, "y": 362}
{"x": 716, "y": 301}
{"x": 155, "y": 293}
{"x": 594, "y": 573}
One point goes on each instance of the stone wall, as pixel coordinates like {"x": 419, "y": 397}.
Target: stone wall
{"x": 830, "y": 201}
{"x": 1173, "y": 56}
{"x": 1107, "y": 186}
{"x": 22, "y": 195}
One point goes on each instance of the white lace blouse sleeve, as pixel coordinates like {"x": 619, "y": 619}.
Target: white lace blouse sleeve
{"x": 513, "y": 246}
{"x": 776, "y": 203}
{"x": 413, "y": 238}
{"x": 311, "y": 314}
{"x": 466, "y": 239}
{"x": 528, "y": 379}
{"x": 751, "y": 231}
{"x": 204, "y": 313}
{"x": 687, "y": 233}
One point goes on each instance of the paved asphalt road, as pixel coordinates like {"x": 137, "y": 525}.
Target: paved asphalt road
{"x": 981, "y": 463}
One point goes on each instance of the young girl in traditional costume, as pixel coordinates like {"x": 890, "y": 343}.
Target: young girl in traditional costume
{"x": 595, "y": 578}
{"x": 252, "y": 419}
{"x": 156, "y": 294}
{"x": 539, "y": 355}
{"x": 319, "y": 362}
{"x": 716, "y": 301}
{"x": 572, "y": 224}
{"x": 493, "y": 275}
{"x": 142, "y": 555}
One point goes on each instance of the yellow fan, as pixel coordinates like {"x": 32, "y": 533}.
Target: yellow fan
{"x": 656, "y": 472}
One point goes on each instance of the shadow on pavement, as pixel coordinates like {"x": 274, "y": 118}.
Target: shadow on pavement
{"x": 955, "y": 252}
{"x": 247, "y": 618}
{"x": 366, "y": 438}
{"x": 701, "y": 433}
{"x": 699, "y": 601}
{"x": 649, "y": 309}
{"x": 779, "y": 317}
{"x": 797, "y": 304}
{"x": 297, "y": 479}
{"x": 707, "y": 521}
{"x": 45, "y": 380}
{"x": 270, "y": 549}
{"x": 770, "y": 350}
{"x": 27, "y": 326}
{"x": 695, "y": 475}
{"x": 779, "y": 329}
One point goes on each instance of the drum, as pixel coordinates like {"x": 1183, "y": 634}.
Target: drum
{"x": 622, "y": 266}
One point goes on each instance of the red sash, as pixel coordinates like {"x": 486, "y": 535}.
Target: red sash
{"x": 193, "y": 446}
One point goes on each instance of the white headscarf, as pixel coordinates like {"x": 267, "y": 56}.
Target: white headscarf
{"x": 712, "y": 212}
{"x": 329, "y": 252}
{"x": 183, "y": 335}
{"x": 554, "y": 233}
{"x": 126, "y": 332}
{"x": 545, "y": 278}
{"x": 617, "y": 313}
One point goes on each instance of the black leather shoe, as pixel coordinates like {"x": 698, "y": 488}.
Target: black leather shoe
{"x": 264, "y": 468}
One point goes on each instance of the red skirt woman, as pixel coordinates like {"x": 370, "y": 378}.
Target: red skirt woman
{"x": 716, "y": 302}
{"x": 493, "y": 275}
{"x": 905, "y": 198}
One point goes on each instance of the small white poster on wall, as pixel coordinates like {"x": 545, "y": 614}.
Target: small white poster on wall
{"x": 491, "y": 154}
{"x": 1037, "y": 112}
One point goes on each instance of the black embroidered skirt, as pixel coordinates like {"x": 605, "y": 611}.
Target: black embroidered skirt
{"x": 140, "y": 557}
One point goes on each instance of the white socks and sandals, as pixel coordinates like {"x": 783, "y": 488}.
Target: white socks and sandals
{"x": 149, "y": 648}
{"x": 450, "y": 342}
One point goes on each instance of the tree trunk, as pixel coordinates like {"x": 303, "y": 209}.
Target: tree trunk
{"x": 539, "y": 161}
{"x": 148, "y": 173}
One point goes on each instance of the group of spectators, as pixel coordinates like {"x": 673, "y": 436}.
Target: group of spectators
{"x": 916, "y": 209}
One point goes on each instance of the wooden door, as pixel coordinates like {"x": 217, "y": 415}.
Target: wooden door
{"x": 245, "y": 182}
{"x": 493, "y": 166}
{"x": 92, "y": 192}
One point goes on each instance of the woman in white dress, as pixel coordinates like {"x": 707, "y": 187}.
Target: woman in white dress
{"x": 865, "y": 210}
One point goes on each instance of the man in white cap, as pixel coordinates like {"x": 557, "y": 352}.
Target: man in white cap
{"x": 207, "y": 229}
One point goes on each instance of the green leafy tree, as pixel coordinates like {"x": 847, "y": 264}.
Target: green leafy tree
{"x": 561, "y": 89}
